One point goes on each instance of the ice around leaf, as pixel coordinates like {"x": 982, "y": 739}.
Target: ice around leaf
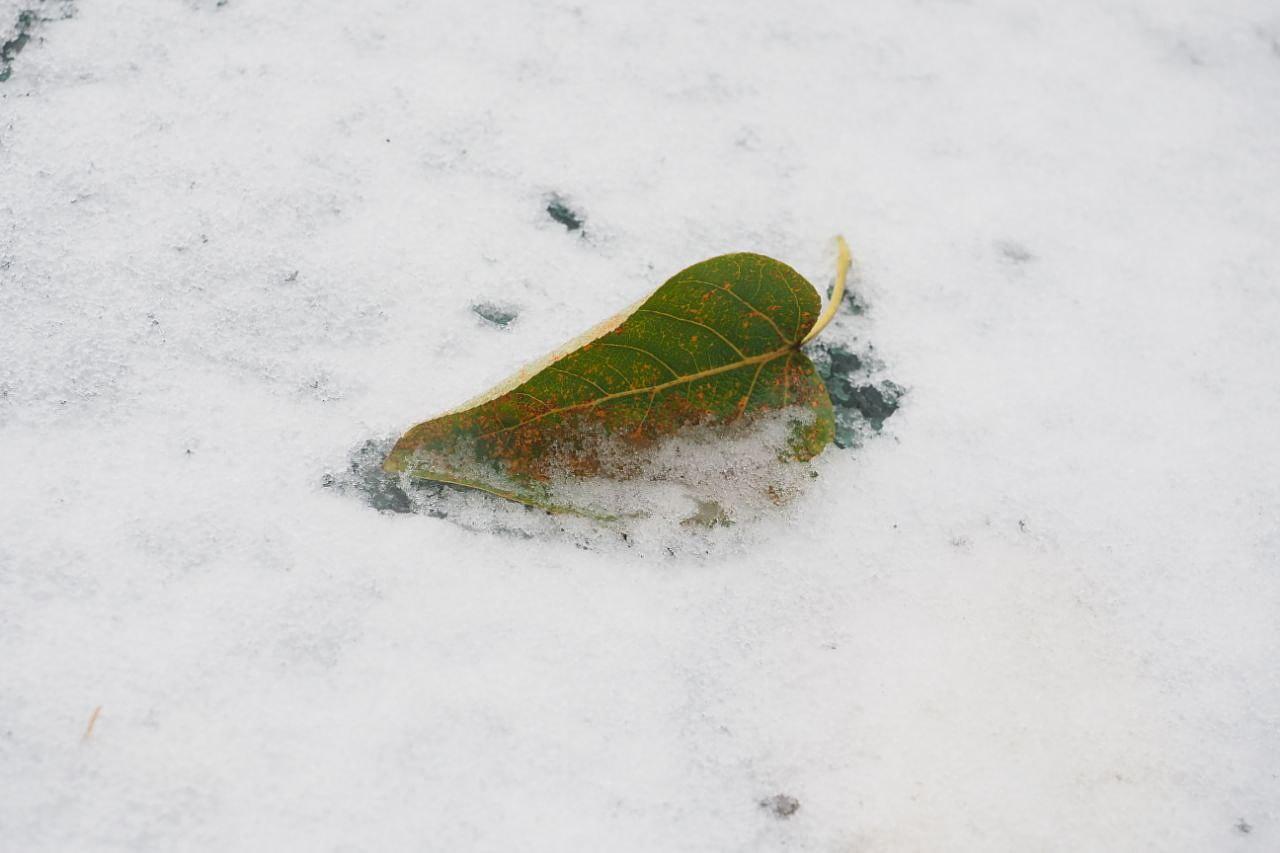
{"x": 714, "y": 348}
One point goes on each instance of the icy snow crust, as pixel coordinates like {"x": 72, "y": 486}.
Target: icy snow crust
{"x": 1036, "y": 612}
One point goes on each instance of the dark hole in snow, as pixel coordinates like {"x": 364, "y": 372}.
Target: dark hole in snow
{"x": 14, "y": 46}
{"x": 499, "y": 315}
{"x": 842, "y": 362}
{"x": 780, "y": 805}
{"x": 860, "y": 401}
{"x": 1243, "y": 827}
{"x": 851, "y": 302}
{"x": 363, "y": 476}
{"x": 23, "y": 28}
{"x": 559, "y": 210}
{"x": 876, "y": 404}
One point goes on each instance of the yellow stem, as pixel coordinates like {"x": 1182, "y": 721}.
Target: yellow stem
{"x": 843, "y": 262}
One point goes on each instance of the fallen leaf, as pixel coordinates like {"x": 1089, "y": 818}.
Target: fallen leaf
{"x": 717, "y": 346}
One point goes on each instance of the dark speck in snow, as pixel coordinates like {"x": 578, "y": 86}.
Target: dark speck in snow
{"x": 559, "y": 210}
{"x": 499, "y": 315}
{"x": 780, "y": 805}
{"x": 1015, "y": 252}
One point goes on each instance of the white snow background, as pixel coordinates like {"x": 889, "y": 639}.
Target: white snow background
{"x": 1039, "y": 612}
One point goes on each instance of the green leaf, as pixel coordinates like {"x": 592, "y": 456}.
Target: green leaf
{"x": 717, "y": 345}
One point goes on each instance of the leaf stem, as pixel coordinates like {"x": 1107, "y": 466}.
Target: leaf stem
{"x": 843, "y": 262}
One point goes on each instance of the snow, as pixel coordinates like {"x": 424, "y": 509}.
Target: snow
{"x": 1039, "y": 611}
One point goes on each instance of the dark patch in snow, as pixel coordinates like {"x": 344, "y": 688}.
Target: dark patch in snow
{"x": 1015, "y": 252}
{"x": 363, "y": 476}
{"x": 1243, "y": 827}
{"x": 842, "y": 362}
{"x": 781, "y": 806}
{"x": 499, "y": 315}
{"x": 22, "y": 30}
{"x": 875, "y": 403}
{"x": 851, "y": 302}
{"x": 14, "y": 46}
{"x": 559, "y": 210}
{"x": 861, "y": 402}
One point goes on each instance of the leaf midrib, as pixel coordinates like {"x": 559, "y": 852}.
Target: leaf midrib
{"x": 653, "y": 389}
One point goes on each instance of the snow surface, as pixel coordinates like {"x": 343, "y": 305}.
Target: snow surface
{"x": 1039, "y": 612}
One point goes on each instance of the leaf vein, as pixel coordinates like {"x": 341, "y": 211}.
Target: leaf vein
{"x": 740, "y": 353}
{"x": 746, "y": 398}
{"x": 622, "y": 375}
{"x": 799, "y": 312}
{"x": 743, "y": 300}
{"x": 645, "y": 351}
{"x": 656, "y": 389}
{"x": 653, "y": 396}
{"x": 532, "y": 397}
{"x": 580, "y": 377}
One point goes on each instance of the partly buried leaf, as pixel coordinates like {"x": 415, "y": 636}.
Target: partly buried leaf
{"x": 718, "y": 346}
